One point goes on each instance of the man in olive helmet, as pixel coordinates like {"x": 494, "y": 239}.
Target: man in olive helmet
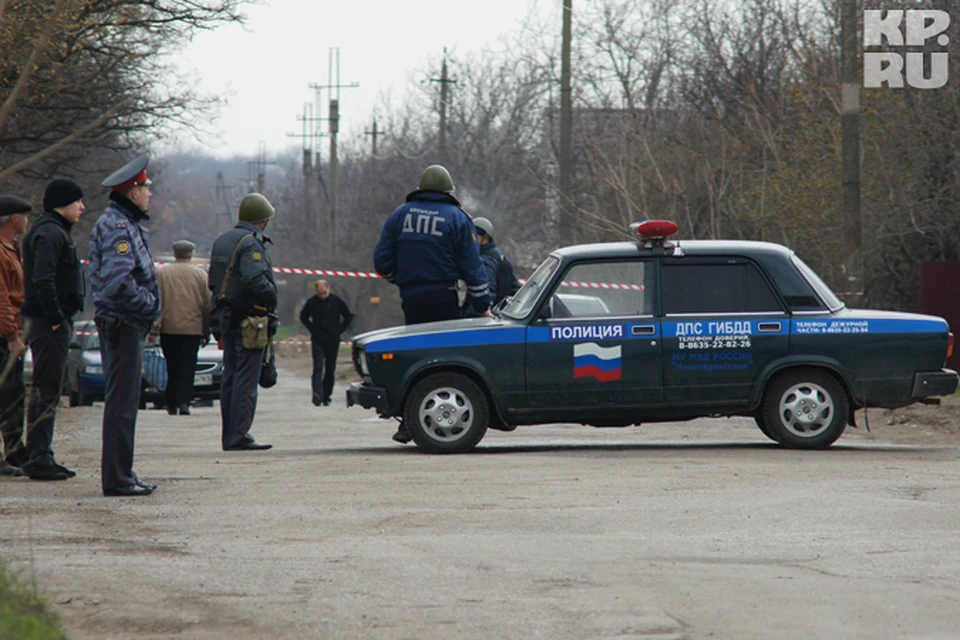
{"x": 241, "y": 281}
{"x": 426, "y": 246}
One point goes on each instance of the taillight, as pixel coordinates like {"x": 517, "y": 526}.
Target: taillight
{"x": 949, "y": 345}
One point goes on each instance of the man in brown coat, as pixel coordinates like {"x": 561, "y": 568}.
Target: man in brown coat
{"x": 13, "y": 221}
{"x": 184, "y": 323}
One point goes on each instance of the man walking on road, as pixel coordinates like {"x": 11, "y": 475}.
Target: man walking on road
{"x": 54, "y": 292}
{"x": 127, "y": 301}
{"x": 241, "y": 280}
{"x": 13, "y": 222}
{"x": 326, "y": 316}
{"x": 184, "y": 323}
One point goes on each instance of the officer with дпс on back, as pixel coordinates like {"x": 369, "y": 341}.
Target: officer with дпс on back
{"x": 127, "y": 302}
{"x": 239, "y": 257}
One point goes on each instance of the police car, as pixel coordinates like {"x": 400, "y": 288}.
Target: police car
{"x": 618, "y": 334}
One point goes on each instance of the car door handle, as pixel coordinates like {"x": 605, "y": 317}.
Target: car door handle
{"x": 643, "y": 330}
{"x": 768, "y": 327}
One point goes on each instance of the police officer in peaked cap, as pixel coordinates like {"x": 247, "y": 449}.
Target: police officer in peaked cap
{"x": 127, "y": 302}
{"x": 241, "y": 282}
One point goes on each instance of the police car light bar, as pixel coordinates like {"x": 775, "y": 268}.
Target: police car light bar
{"x": 651, "y": 229}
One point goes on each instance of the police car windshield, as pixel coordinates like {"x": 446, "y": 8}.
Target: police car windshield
{"x": 522, "y": 302}
{"x": 829, "y": 297}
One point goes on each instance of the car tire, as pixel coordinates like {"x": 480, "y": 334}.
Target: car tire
{"x": 446, "y": 413}
{"x": 84, "y": 400}
{"x": 806, "y": 409}
{"x": 762, "y": 425}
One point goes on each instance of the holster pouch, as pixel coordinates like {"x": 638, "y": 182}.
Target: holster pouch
{"x": 109, "y": 329}
{"x": 254, "y": 331}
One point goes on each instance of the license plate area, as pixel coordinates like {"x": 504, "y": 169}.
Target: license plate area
{"x": 202, "y": 379}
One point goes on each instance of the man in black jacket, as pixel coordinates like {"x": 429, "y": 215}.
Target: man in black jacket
{"x": 54, "y": 292}
{"x": 326, "y": 316}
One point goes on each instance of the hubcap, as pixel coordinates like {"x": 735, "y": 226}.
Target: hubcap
{"x": 806, "y": 409}
{"x": 446, "y": 414}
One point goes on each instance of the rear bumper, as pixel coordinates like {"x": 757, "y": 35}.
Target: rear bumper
{"x": 369, "y": 397}
{"x": 935, "y": 383}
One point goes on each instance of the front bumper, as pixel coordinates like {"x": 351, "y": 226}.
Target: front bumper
{"x": 369, "y": 397}
{"x": 935, "y": 383}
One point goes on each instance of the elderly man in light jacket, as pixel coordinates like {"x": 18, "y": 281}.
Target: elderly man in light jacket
{"x": 184, "y": 323}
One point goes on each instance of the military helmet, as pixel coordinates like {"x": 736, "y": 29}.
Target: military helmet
{"x": 256, "y": 208}
{"x": 436, "y": 178}
{"x": 484, "y": 225}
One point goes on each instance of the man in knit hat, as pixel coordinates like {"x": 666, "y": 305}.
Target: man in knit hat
{"x": 127, "y": 301}
{"x": 13, "y": 222}
{"x": 54, "y": 292}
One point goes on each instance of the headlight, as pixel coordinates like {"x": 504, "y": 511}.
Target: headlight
{"x": 364, "y": 368}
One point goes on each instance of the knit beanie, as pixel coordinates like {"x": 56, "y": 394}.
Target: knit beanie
{"x": 60, "y": 193}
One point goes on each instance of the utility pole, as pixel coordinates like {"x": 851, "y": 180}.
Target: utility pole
{"x": 444, "y": 99}
{"x": 566, "y": 128}
{"x": 374, "y": 133}
{"x": 306, "y": 138}
{"x": 222, "y": 200}
{"x": 333, "y": 118}
{"x": 850, "y": 144}
{"x": 256, "y": 169}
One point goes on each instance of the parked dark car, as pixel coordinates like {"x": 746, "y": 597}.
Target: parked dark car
{"x": 83, "y": 375}
{"x": 206, "y": 379}
{"x": 678, "y": 330}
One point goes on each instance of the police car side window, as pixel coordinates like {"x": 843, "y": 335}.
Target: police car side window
{"x": 593, "y": 290}
{"x": 723, "y": 286}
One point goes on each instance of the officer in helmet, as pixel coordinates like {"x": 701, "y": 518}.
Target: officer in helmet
{"x": 241, "y": 281}
{"x": 499, "y": 268}
{"x": 426, "y": 245}
{"x": 127, "y": 302}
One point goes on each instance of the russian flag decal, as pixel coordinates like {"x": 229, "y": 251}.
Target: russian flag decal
{"x": 590, "y": 360}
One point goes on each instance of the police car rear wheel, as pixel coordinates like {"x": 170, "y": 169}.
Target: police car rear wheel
{"x": 806, "y": 409}
{"x": 446, "y": 413}
{"x": 761, "y": 423}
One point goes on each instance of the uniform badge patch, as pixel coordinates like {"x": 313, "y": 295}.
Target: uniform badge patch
{"x": 257, "y": 256}
{"x": 123, "y": 247}
{"x": 121, "y": 225}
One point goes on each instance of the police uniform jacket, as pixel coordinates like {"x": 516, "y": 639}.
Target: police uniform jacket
{"x": 428, "y": 244}
{"x": 500, "y": 272}
{"x": 53, "y": 278}
{"x": 122, "y": 276}
{"x": 251, "y": 282}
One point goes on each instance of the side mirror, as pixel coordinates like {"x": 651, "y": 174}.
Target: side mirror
{"x": 546, "y": 311}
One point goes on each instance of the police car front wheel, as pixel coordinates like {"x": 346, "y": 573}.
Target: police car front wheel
{"x": 446, "y": 413}
{"x": 806, "y": 409}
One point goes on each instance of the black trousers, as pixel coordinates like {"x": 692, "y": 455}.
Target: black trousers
{"x": 123, "y": 381}
{"x": 12, "y": 401}
{"x": 238, "y": 387}
{"x": 324, "y": 367}
{"x": 431, "y": 307}
{"x": 180, "y": 352}
{"x": 49, "y": 349}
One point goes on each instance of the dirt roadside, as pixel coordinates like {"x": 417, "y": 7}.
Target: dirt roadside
{"x": 562, "y": 533}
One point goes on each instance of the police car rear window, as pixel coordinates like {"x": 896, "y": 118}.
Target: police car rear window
{"x": 735, "y": 285}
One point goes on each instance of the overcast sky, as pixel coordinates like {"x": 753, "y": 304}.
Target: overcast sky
{"x": 265, "y": 70}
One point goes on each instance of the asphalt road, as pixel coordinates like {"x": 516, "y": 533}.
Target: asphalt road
{"x": 694, "y": 530}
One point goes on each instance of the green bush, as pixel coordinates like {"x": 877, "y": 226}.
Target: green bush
{"x": 23, "y": 615}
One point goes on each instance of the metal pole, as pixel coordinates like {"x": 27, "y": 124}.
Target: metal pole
{"x": 850, "y": 144}
{"x": 566, "y": 127}
{"x": 443, "y": 110}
